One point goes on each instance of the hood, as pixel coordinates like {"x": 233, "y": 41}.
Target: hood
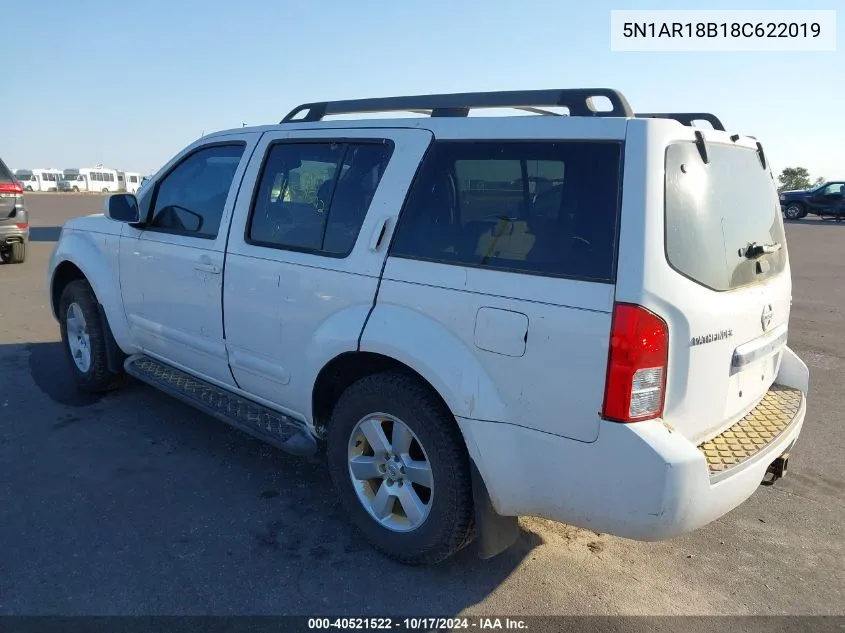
{"x": 94, "y": 223}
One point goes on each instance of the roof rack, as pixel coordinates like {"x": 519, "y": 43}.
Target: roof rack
{"x": 577, "y": 100}
{"x": 686, "y": 118}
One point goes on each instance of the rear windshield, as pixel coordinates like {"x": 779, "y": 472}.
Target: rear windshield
{"x": 5, "y": 174}
{"x": 715, "y": 211}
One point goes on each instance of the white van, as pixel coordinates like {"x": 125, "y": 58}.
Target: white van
{"x": 129, "y": 181}
{"x": 90, "y": 179}
{"x": 39, "y": 179}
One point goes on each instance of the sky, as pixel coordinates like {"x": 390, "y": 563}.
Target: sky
{"x": 128, "y": 85}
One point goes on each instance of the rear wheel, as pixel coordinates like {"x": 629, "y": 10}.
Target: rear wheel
{"x": 84, "y": 337}
{"x": 400, "y": 466}
{"x": 75, "y": 190}
{"x": 29, "y": 187}
{"x": 795, "y": 211}
{"x": 14, "y": 253}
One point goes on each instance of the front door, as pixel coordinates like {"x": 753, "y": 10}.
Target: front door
{"x": 171, "y": 271}
{"x": 830, "y": 198}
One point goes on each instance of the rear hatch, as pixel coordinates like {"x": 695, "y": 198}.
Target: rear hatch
{"x": 12, "y": 211}
{"x": 726, "y": 292}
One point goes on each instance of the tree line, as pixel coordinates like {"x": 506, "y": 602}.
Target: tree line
{"x": 793, "y": 178}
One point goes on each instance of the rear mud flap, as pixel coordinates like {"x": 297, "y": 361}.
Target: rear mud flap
{"x": 495, "y": 533}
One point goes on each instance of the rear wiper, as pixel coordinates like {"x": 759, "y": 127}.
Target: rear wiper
{"x": 753, "y": 250}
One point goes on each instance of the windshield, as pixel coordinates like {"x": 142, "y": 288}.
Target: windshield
{"x": 715, "y": 211}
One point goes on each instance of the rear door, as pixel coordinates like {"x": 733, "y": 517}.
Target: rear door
{"x": 716, "y": 270}
{"x": 305, "y": 251}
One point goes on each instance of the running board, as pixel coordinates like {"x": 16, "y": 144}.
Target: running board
{"x": 261, "y": 422}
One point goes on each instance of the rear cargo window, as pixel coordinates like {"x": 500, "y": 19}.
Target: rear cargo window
{"x": 716, "y": 211}
{"x": 545, "y": 208}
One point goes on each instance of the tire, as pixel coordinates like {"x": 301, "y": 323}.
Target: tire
{"x": 14, "y": 253}
{"x": 795, "y": 211}
{"x": 448, "y": 522}
{"x": 95, "y": 376}
{"x": 75, "y": 190}
{"x": 105, "y": 190}
{"x": 28, "y": 188}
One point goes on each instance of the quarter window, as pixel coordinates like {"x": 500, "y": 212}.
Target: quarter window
{"x": 191, "y": 198}
{"x": 546, "y": 208}
{"x": 314, "y": 197}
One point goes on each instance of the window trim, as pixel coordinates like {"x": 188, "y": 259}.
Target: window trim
{"x": 334, "y": 140}
{"x": 612, "y": 277}
{"x": 176, "y": 165}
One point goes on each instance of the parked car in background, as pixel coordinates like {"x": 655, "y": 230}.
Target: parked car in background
{"x": 14, "y": 225}
{"x": 826, "y": 200}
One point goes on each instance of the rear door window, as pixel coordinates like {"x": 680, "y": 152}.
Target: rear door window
{"x": 716, "y": 211}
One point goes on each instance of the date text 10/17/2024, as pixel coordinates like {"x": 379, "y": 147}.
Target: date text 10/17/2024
{"x": 422, "y": 624}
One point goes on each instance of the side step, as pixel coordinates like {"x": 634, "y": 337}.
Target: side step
{"x": 270, "y": 426}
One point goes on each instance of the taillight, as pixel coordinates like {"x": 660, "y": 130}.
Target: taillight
{"x": 11, "y": 187}
{"x": 636, "y": 367}
{"x": 21, "y": 225}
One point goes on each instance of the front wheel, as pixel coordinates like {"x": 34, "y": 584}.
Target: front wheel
{"x": 84, "y": 338}
{"x": 400, "y": 466}
{"x": 75, "y": 189}
{"x": 795, "y": 212}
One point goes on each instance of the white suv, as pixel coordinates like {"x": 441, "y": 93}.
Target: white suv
{"x": 578, "y": 317}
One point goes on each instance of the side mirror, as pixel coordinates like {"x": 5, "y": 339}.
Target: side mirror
{"x": 122, "y": 207}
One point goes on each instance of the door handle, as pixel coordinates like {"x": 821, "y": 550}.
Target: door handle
{"x": 205, "y": 265}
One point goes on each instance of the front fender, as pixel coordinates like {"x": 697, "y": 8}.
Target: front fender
{"x": 438, "y": 356}
{"x": 97, "y": 256}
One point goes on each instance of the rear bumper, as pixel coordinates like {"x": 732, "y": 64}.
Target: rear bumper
{"x": 642, "y": 481}
{"x": 9, "y": 234}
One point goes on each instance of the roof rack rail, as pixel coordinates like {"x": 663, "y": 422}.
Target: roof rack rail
{"x": 577, "y": 100}
{"x": 686, "y": 118}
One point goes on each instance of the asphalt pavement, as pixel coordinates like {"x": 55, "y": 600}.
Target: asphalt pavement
{"x": 134, "y": 503}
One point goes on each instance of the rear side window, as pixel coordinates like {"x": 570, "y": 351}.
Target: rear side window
{"x": 714, "y": 211}
{"x": 546, "y": 208}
